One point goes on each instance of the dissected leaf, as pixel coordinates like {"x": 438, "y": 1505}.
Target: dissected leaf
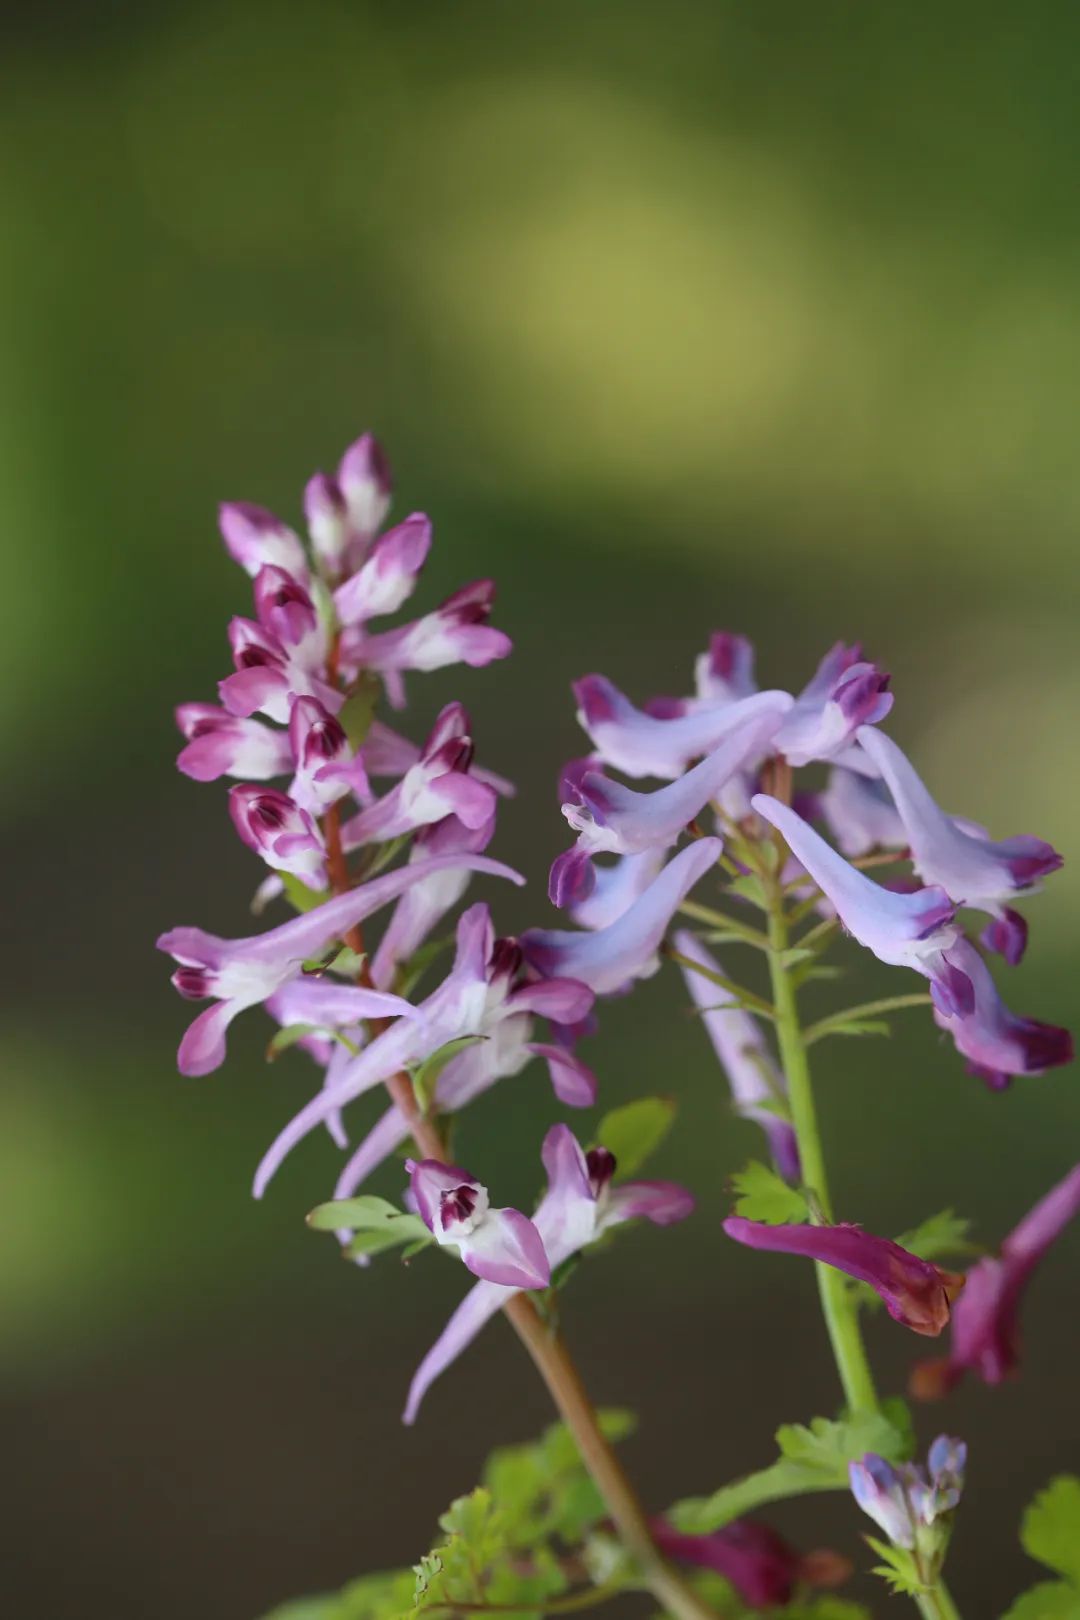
{"x": 1050, "y": 1600}
{"x": 299, "y": 896}
{"x": 636, "y": 1130}
{"x": 897, "y": 1568}
{"x": 762, "y": 1195}
{"x": 941, "y": 1234}
{"x": 1050, "y": 1529}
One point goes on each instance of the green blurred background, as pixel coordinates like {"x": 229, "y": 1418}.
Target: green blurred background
{"x": 674, "y": 318}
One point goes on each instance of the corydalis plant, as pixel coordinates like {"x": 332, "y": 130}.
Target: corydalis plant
{"x": 357, "y": 821}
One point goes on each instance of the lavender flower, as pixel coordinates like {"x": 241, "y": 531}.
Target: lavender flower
{"x": 995, "y": 1042}
{"x": 906, "y": 1501}
{"x": 500, "y": 1245}
{"x": 278, "y": 831}
{"x": 222, "y": 744}
{"x": 255, "y": 538}
{"x": 345, "y": 512}
{"x": 639, "y": 744}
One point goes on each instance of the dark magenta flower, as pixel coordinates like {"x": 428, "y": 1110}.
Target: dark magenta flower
{"x": 914, "y": 1292}
{"x": 986, "y": 1321}
{"x": 996, "y": 1043}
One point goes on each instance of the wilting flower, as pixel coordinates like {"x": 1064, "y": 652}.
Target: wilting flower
{"x": 845, "y": 693}
{"x": 241, "y": 973}
{"x": 581, "y": 1203}
{"x": 905, "y": 1501}
{"x": 500, "y": 1245}
{"x": 905, "y": 930}
{"x": 640, "y": 744}
{"x": 344, "y": 513}
{"x": 914, "y": 1291}
{"x": 986, "y": 1320}
{"x": 995, "y": 1042}
{"x": 611, "y": 818}
{"x": 611, "y": 957}
{"x": 477, "y": 995}
{"x": 762, "y": 1567}
{"x": 743, "y": 1053}
{"x": 222, "y": 744}
{"x": 279, "y": 832}
{"x": 972, "y": 868}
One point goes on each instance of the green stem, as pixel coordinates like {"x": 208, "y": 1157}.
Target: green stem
{"x": 838, "y": 1307}
{"x": 745, "y": 998}
{"x": 722, "y": 922}
{"x": 937, "y": 1604}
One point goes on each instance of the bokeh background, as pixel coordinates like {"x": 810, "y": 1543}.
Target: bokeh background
{"x": 674, "y": 318}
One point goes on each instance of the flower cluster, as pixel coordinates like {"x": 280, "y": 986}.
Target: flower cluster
{"x": 909, "y": 1503}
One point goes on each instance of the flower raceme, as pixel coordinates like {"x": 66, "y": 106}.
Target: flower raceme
{"x": 914, "y": 1291}
{"x": 986, "y": 1320}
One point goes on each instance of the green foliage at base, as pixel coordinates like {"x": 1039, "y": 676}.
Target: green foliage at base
{"x": 1050, "y": 1533}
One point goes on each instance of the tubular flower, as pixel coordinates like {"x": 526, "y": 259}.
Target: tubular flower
{"x": 326, "y": 766}
{"x": 611, "y": 957}
{"x": 725, "y": 673}
{"x": 613, "y": 889}
{"x": 905, "y": 1501}
{"x": 581, "y": 1203}
{"x": 278, "y": 831}
{"x": 844, "y": 694}
{"x": 744, "y": 1056}
{"x": 972, "y": 868}
{"x": 500, "y": 1245}
{"x": 437, "y": 786}
{"x": 986, "y": 1321}
{"x": 457, "y": 632}
{"x": 255, "y": 538}
{"x": 474, "y": 998}
{"x": 241, "y": 973}
{"x": 388, "y": 578}
{"x": 758, "y": 1562}
{"x": 914, "y": 1291}
{"x": 859, "y": 812}
{"x": 905, "y": 930}
{"x": 613, "y": 819}
{"x": 640, "y": 744}
{"x": 995, "y": 1042}
{"x": 222, "y": 744}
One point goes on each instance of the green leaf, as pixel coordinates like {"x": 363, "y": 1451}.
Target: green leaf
{"x": 292, "y": 1034}
{"x": 636, "y": 1130}
{"x": 897, "y": 1568}
{"x": 826, "y": 1608}
{"x": 315, "y": 1608}
{"x": 831, "y": 1445}
{"x": 299, "y": 896}
{"x": 376, "y": 1224}
{"x": 349, "y": 964}
{"x": 860, "y": 1026}
{"x": 1050, "y": 1530}
{"x": 762, "y": 1195}
{"x": 425, "y": 1077}
{"x": 1050, "y": 1600}
{"x": 749, "y": 887}
{"x": 796, "y": 954}
{"x": 941, "y": 1234}
{"x": 409, "y": 975}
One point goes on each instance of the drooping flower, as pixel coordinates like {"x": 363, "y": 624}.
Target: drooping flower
{"x": 222, "y": 744}
{"x": 279, "y": 832}
{"x": 860, "y": 813}
{"x": 905, "y": 930}
{"x": 995, "y": 1042}
{"x": 614, "y": 888}
{"x": 344, "y": 513}
{"x": 640, "y": 744}
{"x": 904, "y": 1500}
{"x": 914, "y": 1291}
{"x": 241, "y": 973}
{"x": 581, "y": 1203}
{"x": 986, "y": 1319}
{"x": 611, "y": 818}
{"x": 478, "y": 993}
{"x": 744, "y": 1056}
{"x": 972, "y": 868}
{"x": 500, "y": 1245}
{"x": 762, "y": 1567}
{"x": 609, "y": 958}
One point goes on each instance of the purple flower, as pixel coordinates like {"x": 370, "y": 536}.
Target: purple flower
{"x": 437, "y": 786}
{"x": 744, "y": 1056}
{"x": 725, "y": 673}
{"x": 500, "y": 1245}
{"x": 457, "y": 632}
{"x": 344, "y": 513}
{"x": 326, "y": 766}
{"x": 972, "y": 868}
{"x": 254, "y": 538}
{"x": 611, "y": 957}
{"x": 581, "y": 1203}
{"x": 904, "y": 930}
{"x": 423, "y": 907}
{"x": 613, "y": 889}
{"x": 640, "y": 744}
{"x": 996, "y": 1043}
{"x": 860, "y": 813}
{"x": 222, "y": 744}
{"x": 269, "y": 674}
{"x": 388, "y": 578}
{"x": 476, "y": 996}
{"x": 758, "y": 1562}
{"x": 902, "y": 1501}
{"x": 613, "y": 819}
{"x": 279, "y": 832}
{"x": 240, "y": 973}
{"x": 844, "y": 694}
{"x": 388, "y": 753}
{"x": 914, "y": 1291}
{"x": 986, "y": 1321}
